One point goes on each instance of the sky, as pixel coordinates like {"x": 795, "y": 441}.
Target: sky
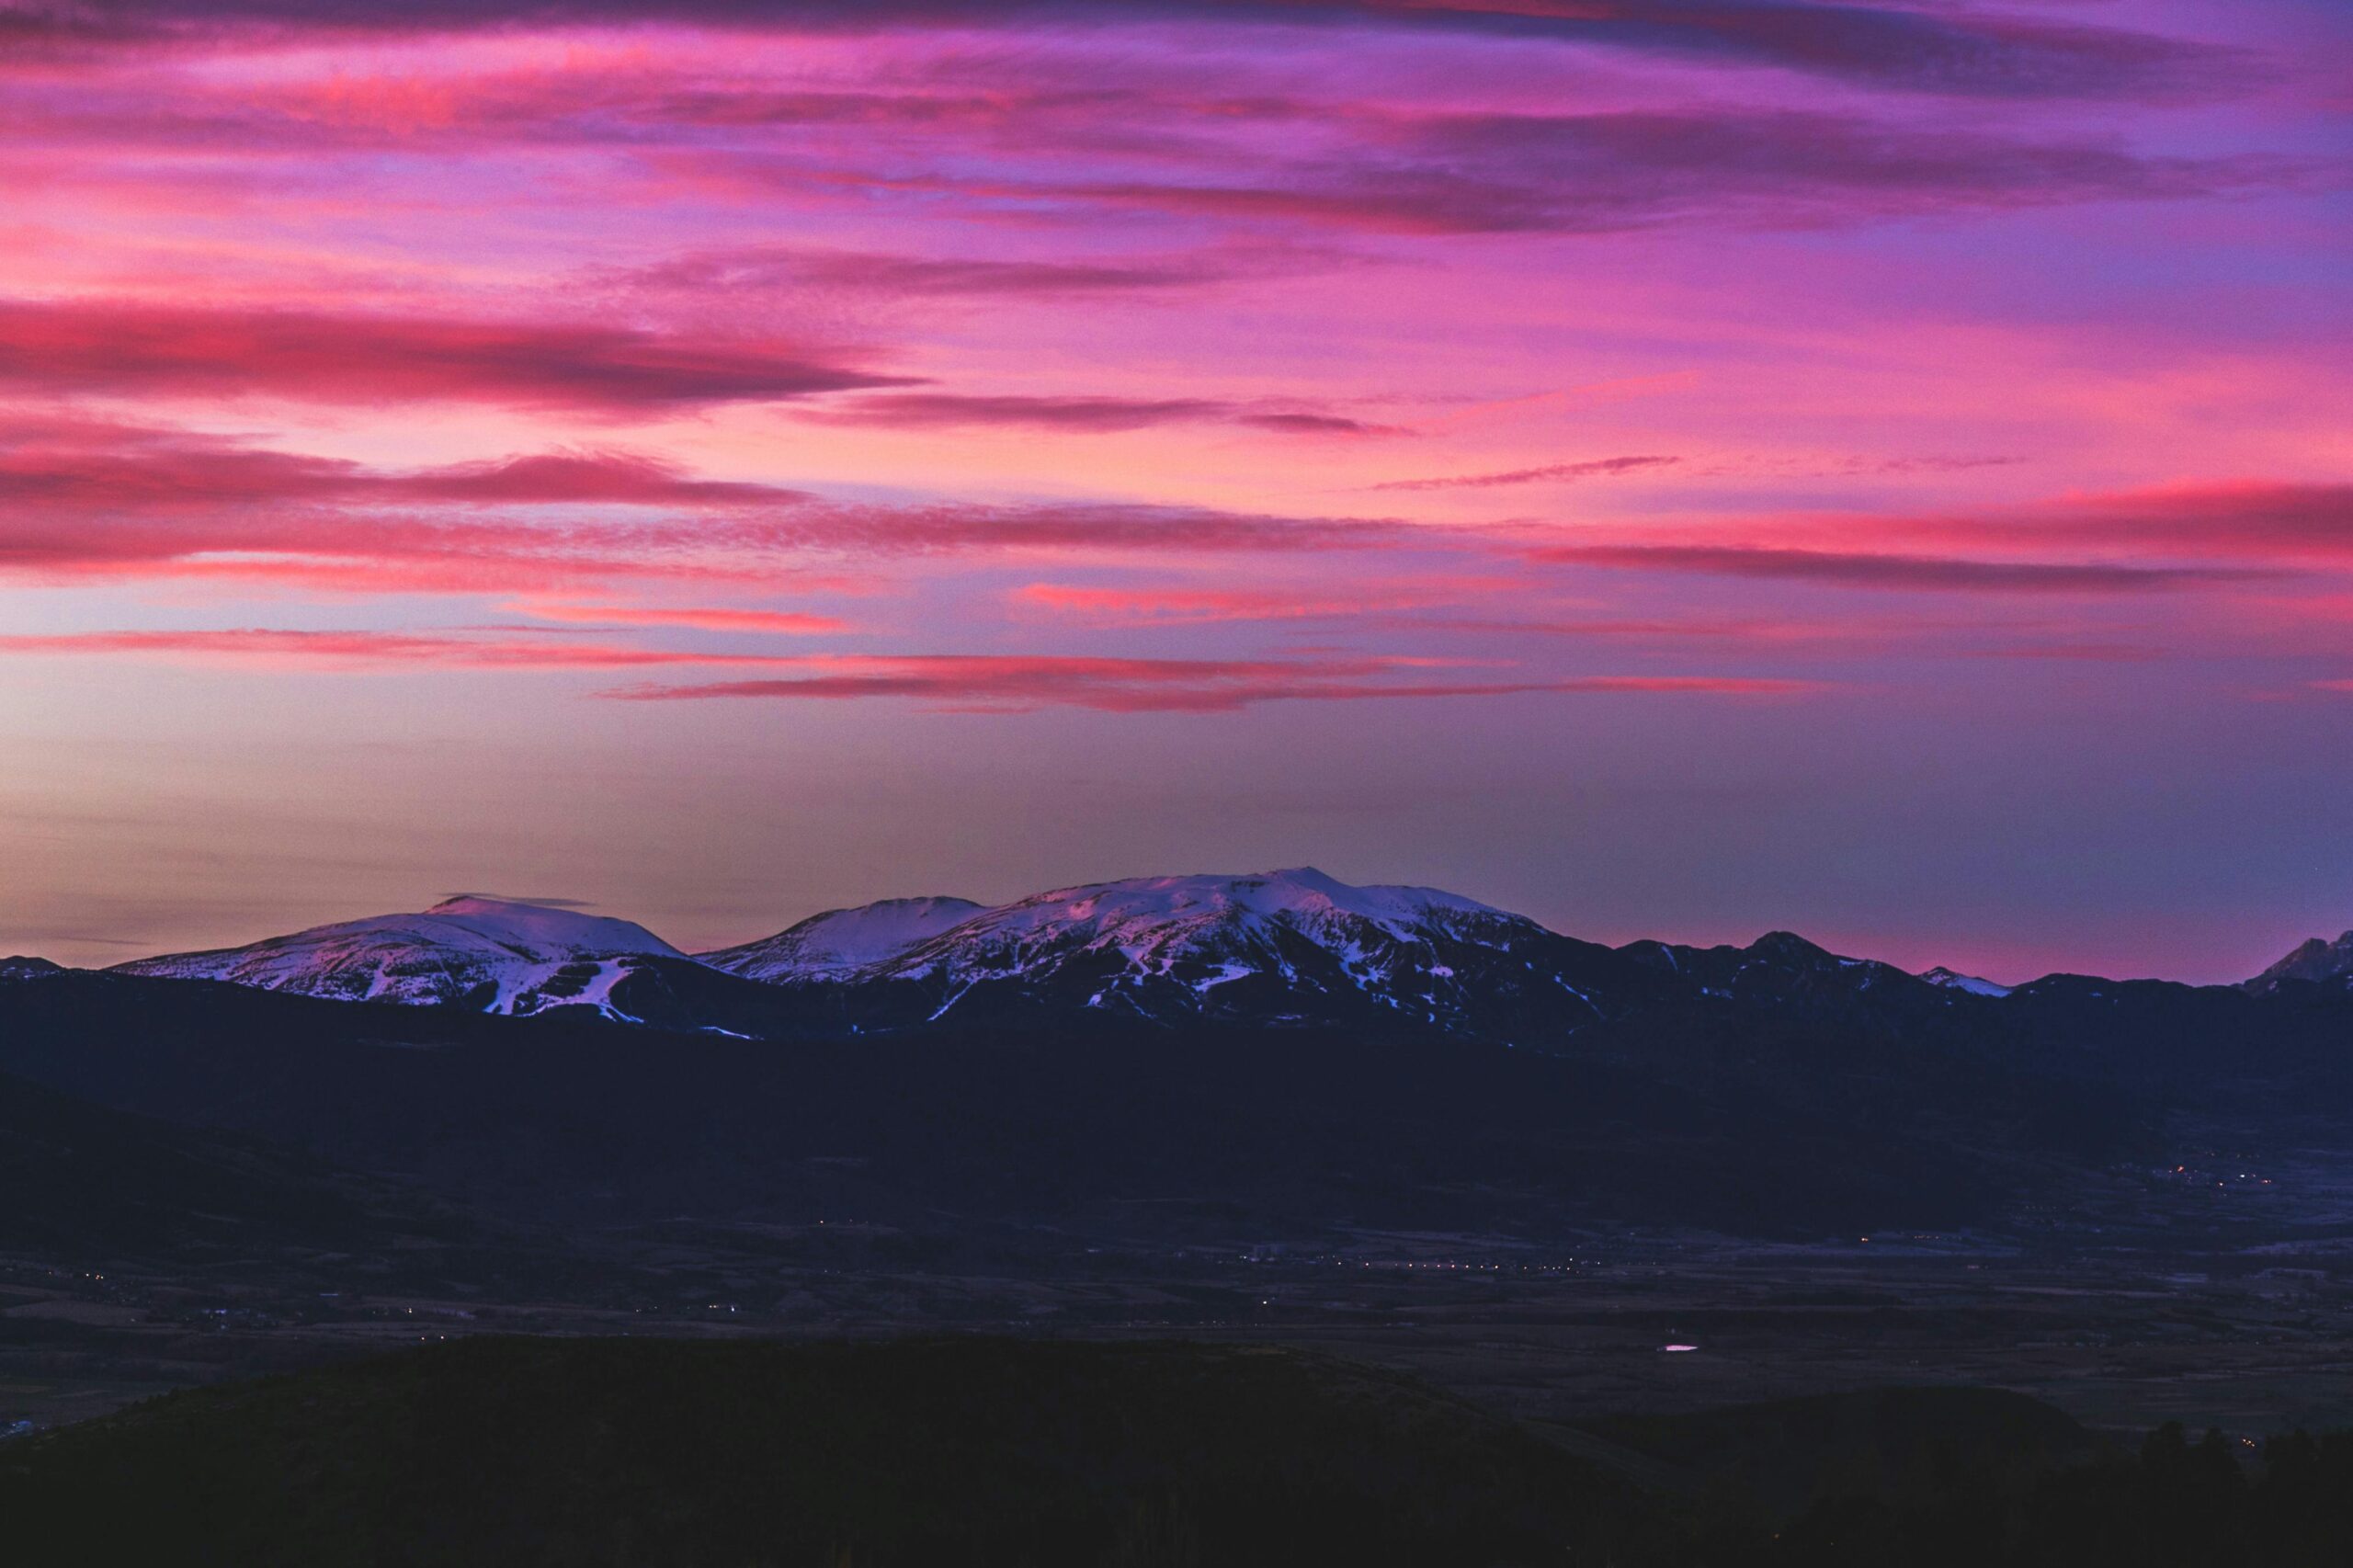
{"x": 1673, "y": 468}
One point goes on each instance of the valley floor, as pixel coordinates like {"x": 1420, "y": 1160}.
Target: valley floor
{"x": 2253, "y": 1340}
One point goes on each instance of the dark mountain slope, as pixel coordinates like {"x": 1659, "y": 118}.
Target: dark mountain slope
{"x": 2317, "y": 961}
{"x": 2287, "y": 1054}
{"x": 1783, "y": 976}
{"x": 1715, "y": 1118}
{"x": 83, "y": 1181}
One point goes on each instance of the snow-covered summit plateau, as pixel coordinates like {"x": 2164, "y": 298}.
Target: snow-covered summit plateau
{"x": 493, "y": 955}
{"x": 842, "y": 941}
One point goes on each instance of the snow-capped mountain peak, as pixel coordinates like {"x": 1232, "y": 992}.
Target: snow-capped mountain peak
{"x": 840, "y": 941}
{"x": 1953, "y": 980}
{"x": 543, "y": 929}
{"x": 497, "y": 955}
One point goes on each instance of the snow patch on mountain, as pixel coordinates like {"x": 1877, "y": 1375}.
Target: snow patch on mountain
{"x": 1953, "y": 980}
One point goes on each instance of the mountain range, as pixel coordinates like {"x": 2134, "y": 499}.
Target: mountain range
{"x": 1180, "y": 1057}
{"x": 1293, "y": 946}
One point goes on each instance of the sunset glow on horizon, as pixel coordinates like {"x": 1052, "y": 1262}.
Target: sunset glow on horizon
{"x": 1672, "y": 468}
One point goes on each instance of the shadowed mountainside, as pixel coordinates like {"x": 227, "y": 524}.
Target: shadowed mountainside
{"x": 1735, "y": 1120}
{"x": 83, "y": 1180}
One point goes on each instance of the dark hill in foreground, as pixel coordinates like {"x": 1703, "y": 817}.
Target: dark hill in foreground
{"x": 991, "y": 1453}
{"x": 1776, "y": 1460}
{"x": 517, "y": 1452}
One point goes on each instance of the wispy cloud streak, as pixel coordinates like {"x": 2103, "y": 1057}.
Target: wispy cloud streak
{"x": 995, "y": 683}
{"x": 924, "y": 411}
{"x": 1168, "y": 686}
{"x": 1884, "y": 46}
{"x": 82, "y": 346}
{"x": 1590, "y": 469}
{"x": 1915, "y": 573}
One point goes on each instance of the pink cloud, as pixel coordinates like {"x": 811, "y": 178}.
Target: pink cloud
{"x": 1179, "y": 604}
{"x": 84, "y": 500}
{"x": 1895, "y": 572}
{"x": 789, "y": 623}
{"x": 137, "y": 347}
{"x": 920, "y": 411}
{"x": 1882, "y": 46}
{"x": 1001, "y": 683}
{"x": 1393, "y": 171}
{"x": 347, "y": 650}
{"x": 891, "y": 275}
{"x": 2251, "y": 520}
{"x": 87, "y": 499}
{"x": 1844, "y": 637}
{"x": 116, "y": 468}
{"x": 1589, "y": 468}
{"x": 960, "y": 682}
{"x": 1316, "y": 425}
{"x": 2077, "y": 652}
{"x": 2173, "y": 536}
{"x": 358, "y": 552}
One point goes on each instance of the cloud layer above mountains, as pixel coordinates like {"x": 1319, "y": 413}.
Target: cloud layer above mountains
{"x": 1020, "y": 392}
